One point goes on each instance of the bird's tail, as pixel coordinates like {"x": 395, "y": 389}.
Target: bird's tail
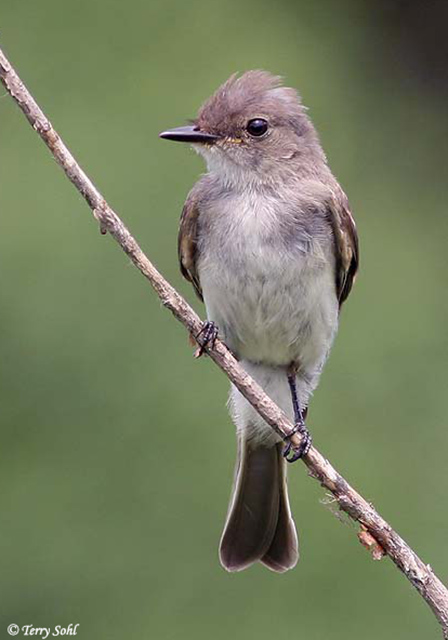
{"x": 259, "y": 525}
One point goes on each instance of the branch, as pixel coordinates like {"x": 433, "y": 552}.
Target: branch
{"x": 375, "y": 533}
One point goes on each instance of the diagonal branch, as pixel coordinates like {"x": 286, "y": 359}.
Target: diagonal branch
{"x": 375, "y": 533}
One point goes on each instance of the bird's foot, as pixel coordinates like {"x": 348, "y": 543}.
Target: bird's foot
{"x": 291, "y": 453}
{"x": 206, "y": 337}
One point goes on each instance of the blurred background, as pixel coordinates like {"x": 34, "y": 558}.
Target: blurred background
{"x": 117, "y": 453}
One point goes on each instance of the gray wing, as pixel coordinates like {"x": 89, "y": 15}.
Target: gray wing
{"x": 187, "y": 242}
{"x": 345, "y": 245}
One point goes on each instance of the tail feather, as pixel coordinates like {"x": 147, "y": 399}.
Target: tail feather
{"x": 259, "y": 526}
{"x": 283, "y": 552}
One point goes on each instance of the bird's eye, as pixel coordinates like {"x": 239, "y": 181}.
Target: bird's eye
{"x": 257, "y": 127}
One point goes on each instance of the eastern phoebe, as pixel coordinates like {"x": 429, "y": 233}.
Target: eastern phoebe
{"x": 268, "y": 242}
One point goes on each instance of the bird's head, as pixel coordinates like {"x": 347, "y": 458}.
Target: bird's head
{"x": 252, "y": 127}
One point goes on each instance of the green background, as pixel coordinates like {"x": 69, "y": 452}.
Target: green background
{"x": 117, "y": 452}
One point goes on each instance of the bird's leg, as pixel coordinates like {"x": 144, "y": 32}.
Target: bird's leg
{"x": 206, "y": 337}
{"x": 290, "y": 452}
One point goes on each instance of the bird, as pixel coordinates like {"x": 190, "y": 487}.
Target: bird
{"x": 268, "y": 241}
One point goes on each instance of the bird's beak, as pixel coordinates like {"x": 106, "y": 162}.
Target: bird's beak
{"x": 190, "y": 133}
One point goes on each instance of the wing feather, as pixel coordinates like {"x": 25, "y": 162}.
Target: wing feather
{"x": 187, "y": 242}
{"x": 346, "y": 245}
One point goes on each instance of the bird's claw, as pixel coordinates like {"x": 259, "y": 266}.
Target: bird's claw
{"x": 206, "y": 337}
{"x": 292, "y": 453}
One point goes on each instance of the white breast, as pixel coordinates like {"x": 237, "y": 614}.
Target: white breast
{"x": 273, "y": 300}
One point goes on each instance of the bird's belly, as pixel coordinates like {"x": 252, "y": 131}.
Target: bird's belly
{"x": 276, "y": 309}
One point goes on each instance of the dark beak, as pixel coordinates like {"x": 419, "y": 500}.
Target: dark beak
{"x": 190, "y": 133}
